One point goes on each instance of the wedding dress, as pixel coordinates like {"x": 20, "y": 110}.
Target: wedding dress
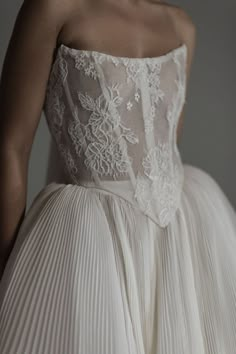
{"x": 135, "y": 252}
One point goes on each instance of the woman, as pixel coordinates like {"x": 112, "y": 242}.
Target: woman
{"x": 129, "y": 254}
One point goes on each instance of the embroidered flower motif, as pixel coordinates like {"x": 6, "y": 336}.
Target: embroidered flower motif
{"x": 148, "y": 121}
{"x": 137, "y": 96}
{"x": 88, "y": 68}
{"x": 104, "y": 150}
{"x": 156, "y": 92}
{"x": 129, "y": 105}
{"x": 148, "y": 125}
{"x": 157, "y": 161}
{"x": 153, "y": 111}
{"x": 159, "y": 196}
{"x": 143, "y": 192}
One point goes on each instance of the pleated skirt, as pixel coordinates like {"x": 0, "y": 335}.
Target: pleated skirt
{"x": 91, "y": 274}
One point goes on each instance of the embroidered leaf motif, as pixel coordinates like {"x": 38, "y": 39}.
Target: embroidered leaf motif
{"x": 86, "y": 101}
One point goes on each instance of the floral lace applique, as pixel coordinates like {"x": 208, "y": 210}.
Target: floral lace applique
{"x": 156, "y": 95}
{"x": 137, "y": 96}
{"x": 154, "y": 83}
{"x": 101, "y": 138}
{"x": 129, "y": 106}
{"x": 132, "y": 102}
{"x": 54, "y": 103}
{"x": 157, "y": 162}
{"x": 93, "y": 130}
{"x": 159, "y": 186}
{"x": 81, "y": 63}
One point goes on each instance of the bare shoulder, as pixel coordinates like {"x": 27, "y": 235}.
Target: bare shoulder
{"x": 55, "y": 7}
{"x": 186, "y": 29}
{"x": 182, "y": 21}
{"x": 26, "y": 69}
{"x": 184, "y": 25}
{"x": 54, "y": 11}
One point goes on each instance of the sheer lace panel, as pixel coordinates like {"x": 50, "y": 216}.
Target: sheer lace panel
{"x": 114, "y": 120}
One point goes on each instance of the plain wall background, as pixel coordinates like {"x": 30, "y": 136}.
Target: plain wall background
{"x": 208, "y": 137}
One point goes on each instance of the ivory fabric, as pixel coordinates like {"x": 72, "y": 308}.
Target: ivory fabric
{"x": 135, "y": 253}
{"x": 115, "y": 119}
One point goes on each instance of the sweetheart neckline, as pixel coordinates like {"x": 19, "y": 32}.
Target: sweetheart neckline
{"x": 65, "y": 48}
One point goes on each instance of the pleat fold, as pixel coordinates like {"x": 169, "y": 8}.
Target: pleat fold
{"x": 90, "y": 274}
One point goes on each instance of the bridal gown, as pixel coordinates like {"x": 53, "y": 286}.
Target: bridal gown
{"x": 135, "y": 252}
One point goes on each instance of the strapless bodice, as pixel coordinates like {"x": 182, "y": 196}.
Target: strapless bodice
{"x": 114, "y": 121}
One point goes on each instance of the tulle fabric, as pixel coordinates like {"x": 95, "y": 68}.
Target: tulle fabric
{"x": 91, "y": 274}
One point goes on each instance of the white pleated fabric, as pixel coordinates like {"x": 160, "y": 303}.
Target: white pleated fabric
{"x": 91, "y": 274}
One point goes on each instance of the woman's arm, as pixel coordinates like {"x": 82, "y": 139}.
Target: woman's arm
{"x": 23, "y": 85}
{"x": 187, "y": 30}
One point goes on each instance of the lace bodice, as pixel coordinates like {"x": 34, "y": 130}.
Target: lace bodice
{"x": 114, "y": 121}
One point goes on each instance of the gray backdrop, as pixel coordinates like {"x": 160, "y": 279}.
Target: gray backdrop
{"x": 208, "y": 138}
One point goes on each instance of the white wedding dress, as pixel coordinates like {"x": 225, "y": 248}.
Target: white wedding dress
{"x": 135, "y": 252}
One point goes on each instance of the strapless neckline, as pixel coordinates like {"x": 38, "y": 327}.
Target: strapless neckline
{"x": 75, "y": 51}
{"x": 114, "y": 119}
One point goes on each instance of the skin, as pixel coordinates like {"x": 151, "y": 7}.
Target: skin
{"x": 136, "y": 29}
